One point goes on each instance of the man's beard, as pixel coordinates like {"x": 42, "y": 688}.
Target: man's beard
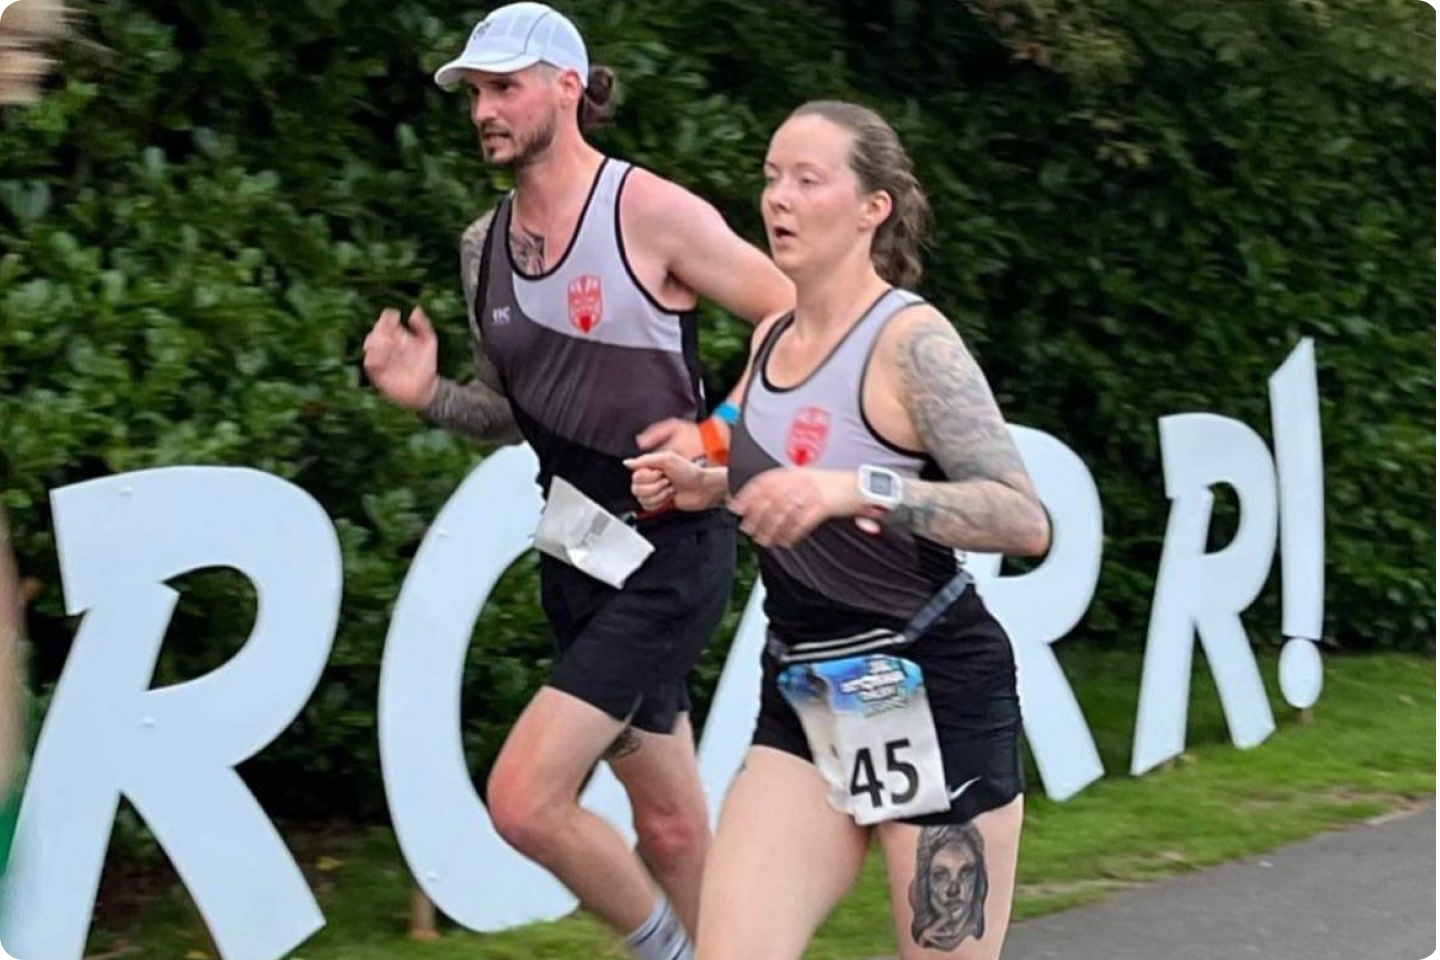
{"x": 530, "y": 149}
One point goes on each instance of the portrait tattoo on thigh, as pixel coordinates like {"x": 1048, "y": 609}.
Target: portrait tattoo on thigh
{"x": 947, "y": 895}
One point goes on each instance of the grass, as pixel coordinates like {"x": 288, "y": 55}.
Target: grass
{"x": 1370, "y": 749}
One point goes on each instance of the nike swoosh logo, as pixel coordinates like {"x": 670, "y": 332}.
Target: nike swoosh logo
{"x": 963, "y": 787}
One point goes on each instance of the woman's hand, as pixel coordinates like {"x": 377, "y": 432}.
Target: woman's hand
{"x": 780, "y": 507}
{"x": 664, "y": 479}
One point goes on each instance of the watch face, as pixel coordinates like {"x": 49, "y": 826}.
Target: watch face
{"x": 882, "y": 485}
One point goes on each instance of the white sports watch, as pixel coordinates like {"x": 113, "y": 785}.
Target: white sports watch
{"x": 880, "y": 487}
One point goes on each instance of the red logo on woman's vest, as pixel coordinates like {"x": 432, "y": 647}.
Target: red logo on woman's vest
{"x": 808, "y": 433}
{"x": 587, "y": 305}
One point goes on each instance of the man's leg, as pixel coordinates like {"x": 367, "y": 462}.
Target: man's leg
{"x": 661, "y": 776}
{"x": 623, "y": 655}
{"x": 533, "y": 798}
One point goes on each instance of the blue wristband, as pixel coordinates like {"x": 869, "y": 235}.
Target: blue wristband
{"x": 728, "y": 412}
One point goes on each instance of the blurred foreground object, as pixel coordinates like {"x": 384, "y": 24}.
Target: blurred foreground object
{"x": 12, "y": 609}
{"x": 26, "y": 26}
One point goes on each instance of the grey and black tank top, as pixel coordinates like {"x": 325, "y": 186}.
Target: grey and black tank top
{"x": 839, "y": 578}
{"x": 586, "y": 355}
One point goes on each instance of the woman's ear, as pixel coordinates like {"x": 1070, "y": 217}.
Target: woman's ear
{"x": 877, "y": 207}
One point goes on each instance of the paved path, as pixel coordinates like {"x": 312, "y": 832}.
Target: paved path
{"x": 1367, "y": 893}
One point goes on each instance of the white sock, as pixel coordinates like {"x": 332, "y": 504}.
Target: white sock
{"x": 662, "y": 937}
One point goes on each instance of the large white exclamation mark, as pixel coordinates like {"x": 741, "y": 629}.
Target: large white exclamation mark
{"x": 1295, "y": 416}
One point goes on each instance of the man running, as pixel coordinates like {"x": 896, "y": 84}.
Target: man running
{"x": 581, "y": 288}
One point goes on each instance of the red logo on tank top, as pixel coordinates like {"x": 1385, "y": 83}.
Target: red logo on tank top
{"x": 587, "y": 305}
{"x": 808, "y": 433}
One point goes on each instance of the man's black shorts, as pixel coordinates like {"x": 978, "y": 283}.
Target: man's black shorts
{"x": 628, "y": 651}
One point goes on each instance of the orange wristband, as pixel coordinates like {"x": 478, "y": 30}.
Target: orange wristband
{"x": 717, "y": 449}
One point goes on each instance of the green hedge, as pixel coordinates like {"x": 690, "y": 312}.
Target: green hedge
{"x": 1141, "y": 209}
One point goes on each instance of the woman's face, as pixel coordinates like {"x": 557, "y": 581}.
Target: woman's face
{"x": 815, "y": 213}
{"x": 952, "y": 881}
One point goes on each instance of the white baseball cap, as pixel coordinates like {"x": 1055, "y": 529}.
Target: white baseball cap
{"x": 517, "y": 36}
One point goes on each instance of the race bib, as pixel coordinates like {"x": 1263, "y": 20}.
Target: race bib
{"x": 579, "y": 531}
{"x": 871, "y": 733}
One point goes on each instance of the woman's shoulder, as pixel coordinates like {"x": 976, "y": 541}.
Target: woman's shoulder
{"x": 917, "y": 326}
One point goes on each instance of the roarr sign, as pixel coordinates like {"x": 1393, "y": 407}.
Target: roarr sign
{"x": 172, "y": 751}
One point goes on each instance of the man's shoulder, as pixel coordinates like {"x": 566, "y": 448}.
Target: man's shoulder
{"x": 648, "y": 195}
{"x": 475, "y": 233}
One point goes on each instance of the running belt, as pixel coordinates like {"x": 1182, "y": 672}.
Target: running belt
{"x": 870, "y": 641}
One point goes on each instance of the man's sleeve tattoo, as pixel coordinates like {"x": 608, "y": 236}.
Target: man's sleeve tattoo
{"x": 479, "y": 408}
